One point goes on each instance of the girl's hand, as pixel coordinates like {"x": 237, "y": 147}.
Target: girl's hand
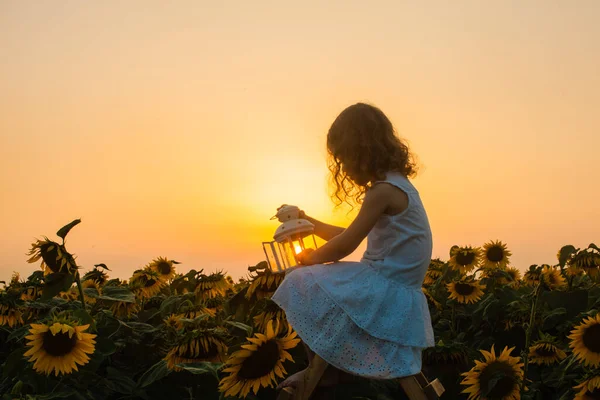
{"x": 304, "y": 257}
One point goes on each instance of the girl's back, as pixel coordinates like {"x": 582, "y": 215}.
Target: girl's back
{"x": 400, "y": 246}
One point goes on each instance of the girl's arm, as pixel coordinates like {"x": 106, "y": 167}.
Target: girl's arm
{"x": 323, "y": 230}
{"x": 375, "y": 203}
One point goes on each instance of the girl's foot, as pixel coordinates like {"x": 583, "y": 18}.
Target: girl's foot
{"x": 329, "y": 378}
{"x": 293, "y": 380}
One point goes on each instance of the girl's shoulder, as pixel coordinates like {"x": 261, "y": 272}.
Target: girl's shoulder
{"x": 398, "y": 180}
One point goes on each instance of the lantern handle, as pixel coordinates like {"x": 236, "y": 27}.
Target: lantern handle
{"x": 287, "y": 212}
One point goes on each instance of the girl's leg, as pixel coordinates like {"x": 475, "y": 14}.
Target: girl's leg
{"x": 330, "y": 376}
{"x": 309, "y": 353}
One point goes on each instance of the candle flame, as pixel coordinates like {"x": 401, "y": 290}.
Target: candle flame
{"x": 297, "y": 248}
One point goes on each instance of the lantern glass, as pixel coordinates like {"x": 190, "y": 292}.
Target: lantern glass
{"x": 274, "y": 258}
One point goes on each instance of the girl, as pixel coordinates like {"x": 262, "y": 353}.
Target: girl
{"x": 367, "y": 318}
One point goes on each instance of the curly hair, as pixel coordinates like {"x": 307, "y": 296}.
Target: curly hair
{"x": 363, "y": 141}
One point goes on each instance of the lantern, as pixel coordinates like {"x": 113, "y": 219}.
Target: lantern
{"x": 292, "y": 237}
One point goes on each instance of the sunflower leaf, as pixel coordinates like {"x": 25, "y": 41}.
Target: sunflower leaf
{"x": 56, "y": 283}
{"x": 155, "y": 373}
{"x": 62, "y": 232}
{"x": 239, "y": 325}
{"x": 117, "y": 293}
{"x": 202, "y": 368}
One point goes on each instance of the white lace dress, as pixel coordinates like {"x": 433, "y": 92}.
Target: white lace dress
{"x": 369, "y": 318}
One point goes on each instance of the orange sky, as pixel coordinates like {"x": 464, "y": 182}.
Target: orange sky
{"x": 177, "y": 128}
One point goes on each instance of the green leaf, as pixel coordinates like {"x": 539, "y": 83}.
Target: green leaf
{"x": 117, "y": 293}
{"x": 14, "y": 363}
{"x": 85, "y": 318}
{"x": 155, "y": 373}
{"x": 202, "y": 368}
{"x": 169, "y": 306}
{"x": 56, "y": 283}
{"x": 62, "y": 232}
{"x": 139, "y": 327}
{"x": 105, "y": 346}
{"x": 119, "y": 381}
{"x": 63, "y": 393}
{"x": 239, "y": 325}
{"x": 574, "y": 301}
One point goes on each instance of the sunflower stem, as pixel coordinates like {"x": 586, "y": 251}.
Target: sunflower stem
{"x": 79, "y": 286}
{"x": 452, "y": 322}
{"x": 529, "y": 330}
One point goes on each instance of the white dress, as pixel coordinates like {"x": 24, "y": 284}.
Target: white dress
{"x": 369, "y": 318}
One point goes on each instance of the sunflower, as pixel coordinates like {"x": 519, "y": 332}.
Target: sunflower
{"x": 509, "y": 276}
{"x": 265, "y": 284}
{"x": 465, "y": 290}
{"x": 452, "y": 353}
{"x": 201, "y": 347}
{"x": 196, "y": 311}
{"x": 271, "y": 312}
{"x": 31, "y": 293}
{"x": 434, "y": 271}
{"x": 146, "y": 283}
{"x": 498, "y": 377}
{"x": 532, "y": 276}
{"x": 93, "y": 287}
{"x": 211, "y": 286}
{"x": 96, "y": 275}
{"x": 15, "y": 279}
{"x": 552, "y": 278}
{"x": 545, "y": 351}
{"x": 465, "y": 259}
{"x": 514, "y": 275}
{"x": 585, "y": 341}
{"x": 509, "y": 324}
{"x": 495, "y": 255}
{"x": 214, "y": 305}
{"x": 589, "y": 261}
{"x": 164, "y": 268}
{"x": 573, "y": 270}
{"x": 122, "y": 309}
{"x": 173, "y": 321}
{"x": 431, "y": 299}
{"x": 59, "y": 346}
{"x": 70, "y": 295}
{"x": 588, "y": 389}
{"x": 55, "y": 257}
{"x": 259, "y": 361}
{"x": 10, "y": 315}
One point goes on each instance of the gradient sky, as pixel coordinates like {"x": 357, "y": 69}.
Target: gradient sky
{"x": 176, "y": 129}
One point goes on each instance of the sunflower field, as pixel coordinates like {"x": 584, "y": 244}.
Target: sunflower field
{"x": 66, "y": 333}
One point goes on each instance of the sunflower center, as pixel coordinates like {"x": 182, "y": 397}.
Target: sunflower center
{"x": 465, "y": 258}
{"x": 591, "y": 338}
{"x": 150, "y": 282}
{"x": 49, "y": 255}
{"x": 211, "y": 352}
{"x": 544, "y": 351}
{"x": 59, "y": 344}
{"x": 501, "y": 387}
{"x": 464, "y": 289}
{"x": 164, "y": 268}
{"x": 261, "y": 362}
{"x": 495, "y": 254}
{"x": 595, "y": 394}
